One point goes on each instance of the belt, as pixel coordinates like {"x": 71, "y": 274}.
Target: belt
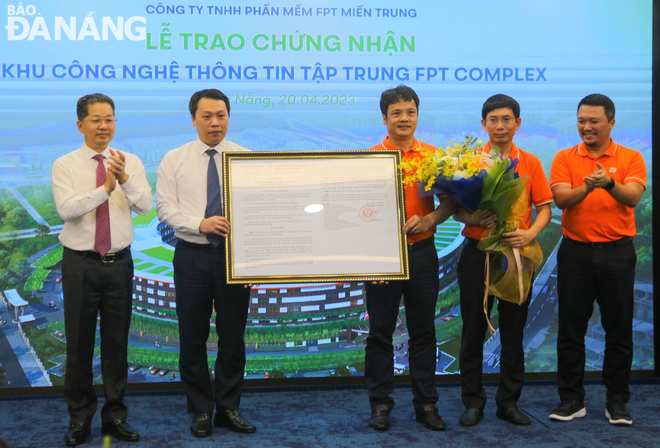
{"x": 106, "y": 259}
{"x": 624, "y": 240}
{"x": 203, "y": 247}
{"x": 419, "y": 245}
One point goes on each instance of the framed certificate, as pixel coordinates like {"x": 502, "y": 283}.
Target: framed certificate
{"x": 314, "y": 216}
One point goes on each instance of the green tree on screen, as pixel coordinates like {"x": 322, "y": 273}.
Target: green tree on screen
{"x": 42, "y": 230}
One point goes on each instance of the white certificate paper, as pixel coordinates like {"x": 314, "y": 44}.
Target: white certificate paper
{"x": 314, "y": 216}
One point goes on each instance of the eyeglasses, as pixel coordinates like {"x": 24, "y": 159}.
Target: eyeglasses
{"x": 96, "y": 121}
{"x": 503, "y": 120}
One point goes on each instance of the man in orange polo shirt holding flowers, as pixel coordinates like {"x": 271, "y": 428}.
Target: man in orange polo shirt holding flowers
{"x": 501, "y": 119}
{"x": 399, "y": 107}
{"x": 597, "y": 184}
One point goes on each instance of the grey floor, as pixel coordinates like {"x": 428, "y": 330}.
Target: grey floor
{"x": 338, "y": 418}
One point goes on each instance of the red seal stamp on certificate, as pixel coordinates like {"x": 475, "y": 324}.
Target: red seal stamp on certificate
{"x": 368, "y": 213}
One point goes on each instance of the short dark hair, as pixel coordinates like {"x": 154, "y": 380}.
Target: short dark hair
{"x": 500, "y": 101}
{"x": 399, "y": 93}
{"x": 597, "y": 99}
{"x": 82, "y": 108}
{"x": 207, "y": 93}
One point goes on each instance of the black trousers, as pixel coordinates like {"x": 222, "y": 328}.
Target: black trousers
{"x": 420, "y": 295}
{"x": 605, "y": 274}
{"x": 512, "y": 321}
{"x": 201, "y": 286}
{"x": 92, "y": 288}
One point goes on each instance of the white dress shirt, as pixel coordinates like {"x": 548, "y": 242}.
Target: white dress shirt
{"x": 181, "y": 187}
{"x": 77, "y": 197}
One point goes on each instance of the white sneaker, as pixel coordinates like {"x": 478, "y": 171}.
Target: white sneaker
{"x": 568, "y": 410}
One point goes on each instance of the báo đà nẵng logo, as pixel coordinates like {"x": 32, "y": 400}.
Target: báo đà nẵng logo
{"x": 24, "y": 22}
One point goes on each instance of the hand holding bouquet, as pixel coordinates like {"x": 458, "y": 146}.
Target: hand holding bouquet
{"x": 483, "y": 182}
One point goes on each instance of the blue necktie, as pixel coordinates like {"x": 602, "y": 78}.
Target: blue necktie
{"x": 213, "y": 197}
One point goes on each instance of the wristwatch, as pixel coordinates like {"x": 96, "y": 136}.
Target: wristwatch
{"x": 609, "y": 185}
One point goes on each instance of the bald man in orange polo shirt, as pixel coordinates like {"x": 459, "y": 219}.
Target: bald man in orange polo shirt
{"x": 399, "y": 107}
{"x": 597, "y": 184}
{"x": 501, "y": 119}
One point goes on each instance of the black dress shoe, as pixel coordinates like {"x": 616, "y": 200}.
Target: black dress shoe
{"x": 429, "y": 416}
{"x": 471, "y": 417}
{"x": 513, "y": 415}
{"x": 234, "y": 421}
{"x": 77, "y": 434}
{"x": 201, "y": 425}
{"x": 380, "y": 417}
{"x": 120, "y": 430}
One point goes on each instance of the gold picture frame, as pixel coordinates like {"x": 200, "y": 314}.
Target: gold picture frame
{"x": 314, "y": 216}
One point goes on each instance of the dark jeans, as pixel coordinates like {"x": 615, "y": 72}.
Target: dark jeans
{"x": 607, "y": 275}
{"x": 420, "y": 294}
{"x": 512, "y": 321}
{"x": 201, "y": 287}
{"x": 91, "y": 287}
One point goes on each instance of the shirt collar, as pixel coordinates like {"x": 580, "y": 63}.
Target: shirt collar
{"x": 610, "y": 151}
{"x": 514, "y": 154}
{"x": 201, "y": 147}
{"x": 387, "y": 144}
{"x": 89, "y": 153}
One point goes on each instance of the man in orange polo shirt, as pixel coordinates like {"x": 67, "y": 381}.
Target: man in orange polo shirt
{"x": 597, "y": 184}
{"x": 399, "y": 107}
{"x": 501, "y": 119}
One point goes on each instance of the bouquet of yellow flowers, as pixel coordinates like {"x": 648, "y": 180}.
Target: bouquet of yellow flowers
{"x": 457, "y": 171}
{"x": 483, "y": 182}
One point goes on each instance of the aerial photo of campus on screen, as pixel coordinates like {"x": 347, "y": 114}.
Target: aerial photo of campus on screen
{"x": 294, "y": 330}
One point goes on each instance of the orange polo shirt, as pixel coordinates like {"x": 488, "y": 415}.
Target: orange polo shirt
{"x": 538, "y": 190}
{"x": 414, "y": 204}
{"x": 599, "y": 217}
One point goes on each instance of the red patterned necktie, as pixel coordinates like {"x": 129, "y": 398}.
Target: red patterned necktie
{"x": 102, "y": 237}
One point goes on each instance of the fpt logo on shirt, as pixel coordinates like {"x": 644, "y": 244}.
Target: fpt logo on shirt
{"x": 612, "y": 170}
